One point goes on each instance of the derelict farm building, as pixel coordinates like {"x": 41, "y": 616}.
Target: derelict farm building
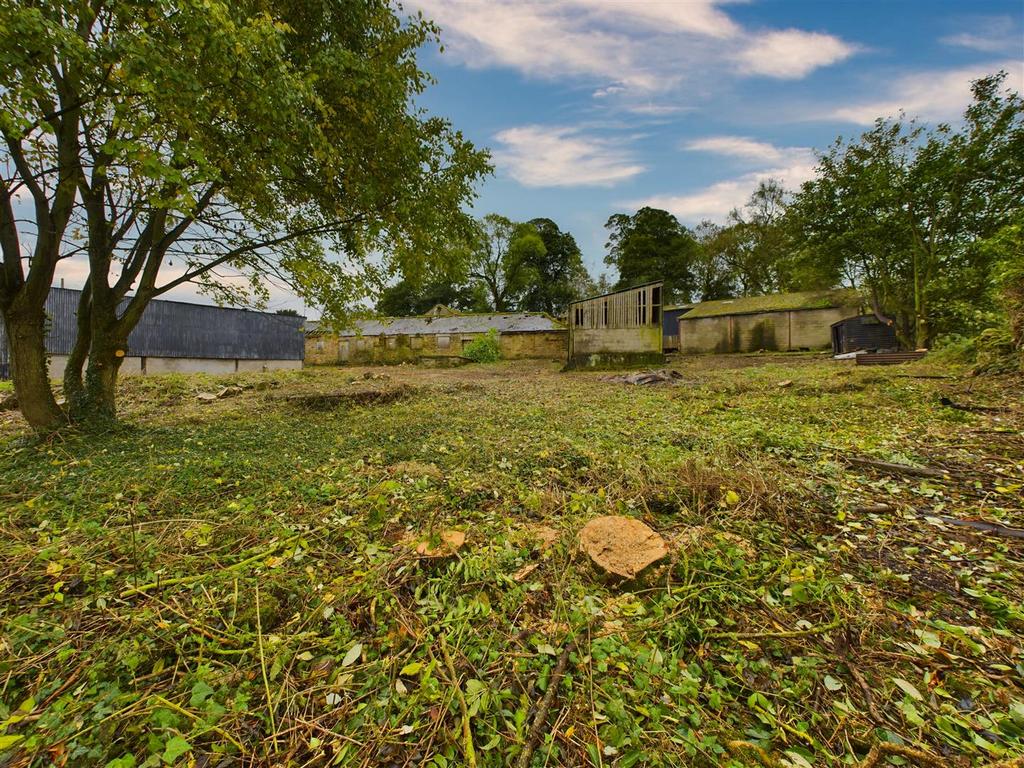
{"x": 441, "y": 334}
{"x": 176, "y": 336}
{"x": 617, "y": 329}
{"x": 779, "y": 322}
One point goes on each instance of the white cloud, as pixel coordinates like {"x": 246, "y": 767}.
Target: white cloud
{"x": 792, "y": 53}
{"x": 737, "y": 146}
{"x": 625, "y": 48}
{"x": 939, "y": 95}
{"x": 790, "y": 165}
{"x": 72, "y": 273}
{"x": 697, "y": 16}
{"x": 989, "y": 34}
{"x": 559, "y": 156}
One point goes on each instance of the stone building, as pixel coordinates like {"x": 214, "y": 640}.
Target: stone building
{"x": 441, "y": 335}
{"x": 781, "y": 321}
{"x": 617, "y": 329}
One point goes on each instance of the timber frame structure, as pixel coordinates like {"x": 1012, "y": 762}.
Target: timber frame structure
{"x": 618, "y": 329}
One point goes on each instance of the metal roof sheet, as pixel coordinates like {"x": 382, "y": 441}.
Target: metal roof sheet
{"x": 181, "y": 329}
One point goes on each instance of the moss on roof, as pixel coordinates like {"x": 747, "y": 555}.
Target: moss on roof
{"x": 776, "y": 302}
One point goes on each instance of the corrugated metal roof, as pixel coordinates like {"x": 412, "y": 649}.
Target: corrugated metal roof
{"x": 618, "y": 290}
{"x": 509, "y": 322}
{"x": 776, "y": 302}
{"x": 180, "y": 329}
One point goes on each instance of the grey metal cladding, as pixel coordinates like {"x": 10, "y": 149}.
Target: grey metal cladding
{"x": 179, "y": 329}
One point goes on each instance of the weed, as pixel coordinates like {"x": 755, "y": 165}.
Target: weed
{"x": 240, "y": 579}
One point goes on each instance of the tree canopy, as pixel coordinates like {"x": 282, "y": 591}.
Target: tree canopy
{"x": 902, "y": 211}
{"x": 504, "y": 260}
{"x": 559, "y": 274}
{"x": 652, "y": 245}
{"x": 185, "y": 141}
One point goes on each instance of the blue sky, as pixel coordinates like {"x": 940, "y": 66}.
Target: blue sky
{"x": 593, "y": 107}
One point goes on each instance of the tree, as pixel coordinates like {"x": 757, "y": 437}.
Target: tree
{"x": 407, "y": 297}
{"x": 288, "y": 313}
{"x": 652, "y": 245}
{"x": 754, "y": 245}
{"x": 713, "y": 278}
{"x": 503, "y": 260}
{"x": 558, "y": 273}
{"x": 903, "y": 208}
{"x": 185, "y": 141}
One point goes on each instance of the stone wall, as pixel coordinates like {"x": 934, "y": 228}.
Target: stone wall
{"x": 616, "y": 347}
{"x": 542, "y": 345}
{"x": 328, "y": 349}
{"x": 782, "y": 331}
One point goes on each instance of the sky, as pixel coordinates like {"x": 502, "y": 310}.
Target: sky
{"x": 595, "y": 107}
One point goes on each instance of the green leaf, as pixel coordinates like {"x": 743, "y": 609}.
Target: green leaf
{"x": 832, "y": 684}
{"x": 411, "y": 669}
{"x": 353, "y": 655}
{"x": 200, "y": 693}
{"x": 125, "y": 761}
{"x": 6, "y": 742}
{"x": 908, "y": 689}
{"x": 175, "y": 747}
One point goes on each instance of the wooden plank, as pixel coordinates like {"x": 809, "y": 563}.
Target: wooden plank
{"x": 889, "y": 358}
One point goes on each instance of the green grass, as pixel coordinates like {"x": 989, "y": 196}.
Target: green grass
{"x": 239, "y": 578}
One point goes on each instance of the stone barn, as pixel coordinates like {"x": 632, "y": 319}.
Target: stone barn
{"x": 617, "y": 329}
{"x": 783, "y": 321}
{"x": 440, "y": 336}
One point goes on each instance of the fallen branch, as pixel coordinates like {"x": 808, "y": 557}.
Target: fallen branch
{"x": 971, "y": 408}
{"x": 263, "y": 669}
{"x": 997, "y": 529}
{"x": 186, "y": 580}
{"x": 899, "y": 469}
{"x": 792, "y": 633}
{"x": 467, "y": 731}
{"x": 216, "y": 729}
{"x": 980, "y": 525}
{"x": 737, "y": 746}
{"x": 869, "y": 700}
{"x": 540, "y": 718}
{"x": 887, "y": 748}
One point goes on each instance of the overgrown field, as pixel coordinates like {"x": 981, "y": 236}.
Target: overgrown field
{"x": 236, "y": 582}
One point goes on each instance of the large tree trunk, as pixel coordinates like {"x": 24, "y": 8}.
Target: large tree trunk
{"x": 26, "y": 341}
{"x": 74, "y": 386}
{"x": 97, "y": 403}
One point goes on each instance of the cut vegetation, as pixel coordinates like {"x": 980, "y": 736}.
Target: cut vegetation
{"x": 314, "y": 572}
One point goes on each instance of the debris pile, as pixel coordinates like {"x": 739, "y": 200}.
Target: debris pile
{"x": 229, "y": 391}
{"x": 647, "y": 378}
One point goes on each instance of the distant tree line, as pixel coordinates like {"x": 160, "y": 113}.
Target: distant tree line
{"x": 530, "y": 266}
{"x": 925, "y": 221}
